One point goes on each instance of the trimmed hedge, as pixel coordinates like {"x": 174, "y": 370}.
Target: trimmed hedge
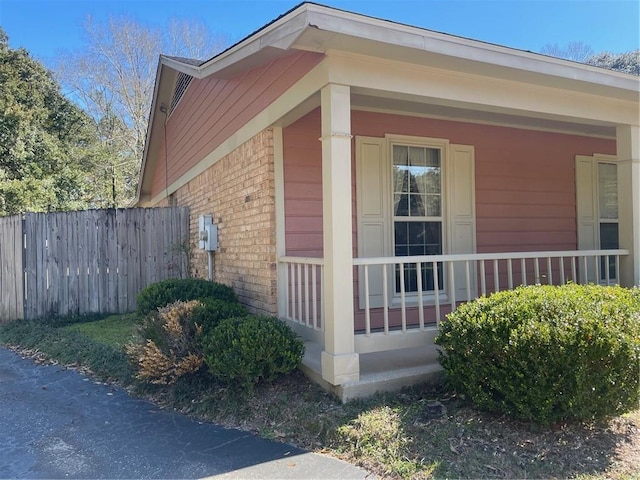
{"x": 168, "y": 341}
{"x": 211, "y": 311}
{"x": 246, "y": 350}
{"x": 159, "y": 294}
{"x": 547, "y": 353}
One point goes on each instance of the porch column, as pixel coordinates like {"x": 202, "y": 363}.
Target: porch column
{"x": 340, "y": 363}
{"x": 628, "y": 154}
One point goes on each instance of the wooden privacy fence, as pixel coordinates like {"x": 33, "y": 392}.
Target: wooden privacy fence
{"x": 88, "y": 261}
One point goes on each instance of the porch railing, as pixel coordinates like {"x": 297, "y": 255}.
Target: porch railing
{"x": 400, "y": 301}
{"x": 454, "y": 279}
{"x": 304, "y": 291}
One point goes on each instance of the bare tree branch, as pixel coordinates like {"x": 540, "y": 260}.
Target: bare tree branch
{"x": 112, "y": 78}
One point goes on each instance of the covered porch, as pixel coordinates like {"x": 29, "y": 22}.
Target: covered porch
{"x": 368, "y": 313}
{"x": 415, "y": 171}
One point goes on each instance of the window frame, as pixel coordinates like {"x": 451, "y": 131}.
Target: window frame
{"x": 598, "y": 161}
{"x": 443, "y": 146}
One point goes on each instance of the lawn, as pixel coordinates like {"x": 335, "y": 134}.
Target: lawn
{"x": 115, "y": 330}
{"x": 419, "y": 433}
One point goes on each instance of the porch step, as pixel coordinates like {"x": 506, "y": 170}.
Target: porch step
{"x": 387, "y": 371}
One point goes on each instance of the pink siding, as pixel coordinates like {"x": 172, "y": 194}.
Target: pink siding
{"x": 525, "y": 185}
{"x": 211, "y": 110}
{"x": 303, "y": 186}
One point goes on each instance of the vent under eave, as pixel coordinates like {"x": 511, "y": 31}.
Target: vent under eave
{"x": 182, "y": 83}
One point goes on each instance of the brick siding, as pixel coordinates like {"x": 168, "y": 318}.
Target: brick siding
{"x": 239, "y": 191}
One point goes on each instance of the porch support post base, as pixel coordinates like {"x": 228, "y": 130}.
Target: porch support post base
{"x": 340, "y": 369}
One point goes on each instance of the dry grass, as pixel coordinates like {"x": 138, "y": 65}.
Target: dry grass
{"x": 423, "y": 433}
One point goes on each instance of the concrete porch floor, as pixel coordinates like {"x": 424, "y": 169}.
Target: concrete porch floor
{"x": 386, "y": 371}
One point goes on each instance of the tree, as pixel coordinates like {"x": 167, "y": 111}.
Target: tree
{"x": 576, "y": 51}
{"x": 112, "y": 78}
{"x": 45, "y": 140}
{"x": 627, "y": 62}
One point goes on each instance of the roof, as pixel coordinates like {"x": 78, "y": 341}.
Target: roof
{"x": 312, "y": 26}
{"x": 318, "y": 28}
{"x": 187, "y": 61}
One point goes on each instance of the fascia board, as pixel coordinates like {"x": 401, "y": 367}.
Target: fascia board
{"x": 150, "y": 126}
{"x": 281, "y": 35}
{"x": 376, "y": 30}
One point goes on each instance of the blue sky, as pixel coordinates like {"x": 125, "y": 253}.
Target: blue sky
{"x": 45, "y": 26}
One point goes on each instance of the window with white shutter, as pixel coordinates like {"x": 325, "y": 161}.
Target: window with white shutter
{"x": 415, "y": 196}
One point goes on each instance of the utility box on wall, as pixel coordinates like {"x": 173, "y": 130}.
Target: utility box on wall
{"x": 207, "y": 233}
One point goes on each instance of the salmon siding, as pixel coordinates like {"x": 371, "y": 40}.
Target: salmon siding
{"x": 525, "y": 180}
{"x": 212, "y": 109}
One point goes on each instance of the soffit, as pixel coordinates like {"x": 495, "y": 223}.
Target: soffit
{"x": 362, "y": 99}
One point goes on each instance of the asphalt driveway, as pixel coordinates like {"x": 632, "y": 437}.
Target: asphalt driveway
{"x": 56, "y": 423}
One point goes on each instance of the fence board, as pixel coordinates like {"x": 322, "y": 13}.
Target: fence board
{"x": 78, "y": 288}
{"x": 87, "y": 261}
{"x": 11, "y": 268}
{"x": 112, "y": 263}
{"x": 134, "y": 261}
{"x": 63, "y": 304}
{"x": 93, "y": 254}
{"x": 41, "y": 265}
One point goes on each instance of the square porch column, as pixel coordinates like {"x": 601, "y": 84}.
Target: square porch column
{"x": 340, "y": 362}
{"x": 628, "y": 156}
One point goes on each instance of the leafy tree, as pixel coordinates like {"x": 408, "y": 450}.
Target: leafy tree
{"x": 45, "y": 140}
{"x": 112, "y": 77}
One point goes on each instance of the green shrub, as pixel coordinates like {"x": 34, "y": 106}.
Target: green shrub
{"x": 167, "y": 345}
{"x": 211, "y": 311}
{"x": 246, "y": 350}
{"x": 163, "y": 293}
{"x": 547, "y": 353}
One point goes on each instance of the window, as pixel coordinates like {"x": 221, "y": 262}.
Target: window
{"x": 597, "y": 213}
{"x": 417, "y": 211}
{"x": 414, "y": 196}
{"x": 608, "y": 215}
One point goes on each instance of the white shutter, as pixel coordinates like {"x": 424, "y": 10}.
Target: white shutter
{"x": 586, "y": 210}
{"x": 374, "y": 223}
{"x": 462, "y": 214}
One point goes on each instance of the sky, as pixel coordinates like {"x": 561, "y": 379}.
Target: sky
{"x": 45, "y": 27}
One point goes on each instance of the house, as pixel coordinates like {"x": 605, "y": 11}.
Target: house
{"x": 367, "y": 176}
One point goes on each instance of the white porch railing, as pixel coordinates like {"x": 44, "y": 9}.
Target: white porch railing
{"x": 391, "y": 314}
{"x": 304, "y": 292}
{"x": 498, "y": 270}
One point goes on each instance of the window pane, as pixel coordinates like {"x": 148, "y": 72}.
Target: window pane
{"x": 417, "y": 206}
{"x": 418, "y": 238}
{"x": 608, "y": 241}
{"x": 433, "y": 206}
{"x": 609, "y": 236}
{"x": 401, "y": 205}
{"x": 400, "y": 155}
{"x": 417, "y": 157}
{"x": 608, "y": 191}
{"x": 417, "y": 172}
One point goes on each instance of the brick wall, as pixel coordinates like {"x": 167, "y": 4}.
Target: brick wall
{"x": 239, "y": 191}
